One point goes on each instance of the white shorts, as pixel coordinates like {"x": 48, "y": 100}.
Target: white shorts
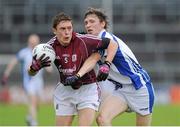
{"x": 68, "y": 101}
{"x": 34, "y": 87}
{"x": 140, "y": 101}
{"x": 106, "y": 89}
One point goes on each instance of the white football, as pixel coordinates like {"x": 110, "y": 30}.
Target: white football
{"x": 44, "y": 49}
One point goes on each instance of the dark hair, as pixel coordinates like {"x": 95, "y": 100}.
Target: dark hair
{"x": 99, "y": 13}
{"x": 60, "y": 17}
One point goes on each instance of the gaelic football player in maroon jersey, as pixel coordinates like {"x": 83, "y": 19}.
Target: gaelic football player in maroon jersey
{"x": 72, "y": 49}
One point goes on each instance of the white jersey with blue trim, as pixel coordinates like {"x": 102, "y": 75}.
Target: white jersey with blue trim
{"x": 125, "y": 68}
{"x": 25, "y": 58}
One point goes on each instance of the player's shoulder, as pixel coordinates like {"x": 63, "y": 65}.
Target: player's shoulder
{"x": 105, "y": 34}
{"x": 24, "y": 50}
{"x": 112, "y": 36}
{"x": 22, "y": 53}
{"x": 52, "y": 40}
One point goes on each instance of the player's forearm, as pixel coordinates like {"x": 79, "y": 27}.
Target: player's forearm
{"x": 89, "y": 64}
{"x": 10, "y": 67}
{"x": 111, "y": 51}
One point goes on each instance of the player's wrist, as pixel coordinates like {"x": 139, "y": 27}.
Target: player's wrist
{"x": 31, "y": 71}
{"x": 107, "y": 63}
{"x": 78, "y": 75}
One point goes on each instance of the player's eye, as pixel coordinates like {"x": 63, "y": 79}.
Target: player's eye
{"x": 92, "y": 21}
{"x": 69, "y": 28}
{"x": 62, "y": 29}
{"x": 85, "y": 22}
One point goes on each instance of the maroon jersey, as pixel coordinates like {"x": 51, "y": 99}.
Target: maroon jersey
{"x": 69, "y": 59}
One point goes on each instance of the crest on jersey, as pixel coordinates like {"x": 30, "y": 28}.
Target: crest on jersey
{"x": 74, "y": 57}
{"x": 58, "y": 58}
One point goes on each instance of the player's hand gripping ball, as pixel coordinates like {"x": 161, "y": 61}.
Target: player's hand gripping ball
{"x": 46, "y": 49}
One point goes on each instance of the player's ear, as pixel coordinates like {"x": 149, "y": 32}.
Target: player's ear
{"x": 54, "y": 30}
{"x": 103, "y": 24}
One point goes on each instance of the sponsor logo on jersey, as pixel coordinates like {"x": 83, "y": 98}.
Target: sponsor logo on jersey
{"x": 74, "y": 58}
{"x": 58, "y": 58}
{"x": 68, "y": 71}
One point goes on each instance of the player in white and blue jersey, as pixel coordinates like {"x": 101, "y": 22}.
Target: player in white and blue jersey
{"x": 33, "y": 85}
{"x": 128, "y": 86}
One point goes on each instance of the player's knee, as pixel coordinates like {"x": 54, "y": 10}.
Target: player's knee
{"x": 143, "y": 120}
{"x": 102, "y": 120}
{"x": 99, "y": 120}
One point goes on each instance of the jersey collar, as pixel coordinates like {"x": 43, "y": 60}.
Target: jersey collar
{"x": 100, "y": 34}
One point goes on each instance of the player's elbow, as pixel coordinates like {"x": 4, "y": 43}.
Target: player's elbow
{"x": 114, "y": 44}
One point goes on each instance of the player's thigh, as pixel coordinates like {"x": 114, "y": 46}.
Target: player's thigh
{"x": 140, "y": 101}
{"x": 64, "y": 101}
{"x": 88, "y": 97}
{"x": 33, "y": 99}
{"x": 64, "y": 120}
{"x": 112, "y": 106}
{"x": 86, "y": 116}
{"x": 143, "y": 120}
{"x": 107, "y": 88}
{"x": 34, "y": 87}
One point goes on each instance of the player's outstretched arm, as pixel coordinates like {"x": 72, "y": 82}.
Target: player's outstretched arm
{"x": 91, "y": 61}
{"x": 89, "y": 64}
{"x": 8, "y": 70}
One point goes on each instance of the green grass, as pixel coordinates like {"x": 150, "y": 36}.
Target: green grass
{"x": 163, "y": 115}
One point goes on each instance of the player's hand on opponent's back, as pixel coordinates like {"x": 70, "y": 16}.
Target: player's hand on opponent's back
{"x": 103, "y": 71}
{"x": 73, "y": 81}
{"x": 4, "y": 80}
{"x": 37, "y": 64}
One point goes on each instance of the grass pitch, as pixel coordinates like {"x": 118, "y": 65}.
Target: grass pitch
{"x": 163, "y": 115}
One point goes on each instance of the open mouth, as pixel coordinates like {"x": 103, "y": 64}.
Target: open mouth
{"x": 66, "y": 38}
{"x": 89, "y": 31}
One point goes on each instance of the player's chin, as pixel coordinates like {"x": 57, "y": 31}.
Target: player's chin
{"x": 66, "y": 42}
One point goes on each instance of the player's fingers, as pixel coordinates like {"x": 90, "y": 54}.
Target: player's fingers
{"x": 67, "y": 82}
{"x": 42, "y": 56}
{"x": 34, "y": 57}
{"x": 99, "y": 78}
{"x": 47, "y": 63}
{"x": 103, "y": 77}
{"x": 45, "y": 59}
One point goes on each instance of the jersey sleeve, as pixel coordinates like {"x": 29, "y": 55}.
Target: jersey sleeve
{"x": 105, "y": 43}
{"x": 20, "y": 55}
{"x": 95, "y": 44}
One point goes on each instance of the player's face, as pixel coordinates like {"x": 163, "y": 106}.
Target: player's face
{"x": 33, "y": 40}
{"x": 93, "y": 24}
{"x": 63, "y": 32}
